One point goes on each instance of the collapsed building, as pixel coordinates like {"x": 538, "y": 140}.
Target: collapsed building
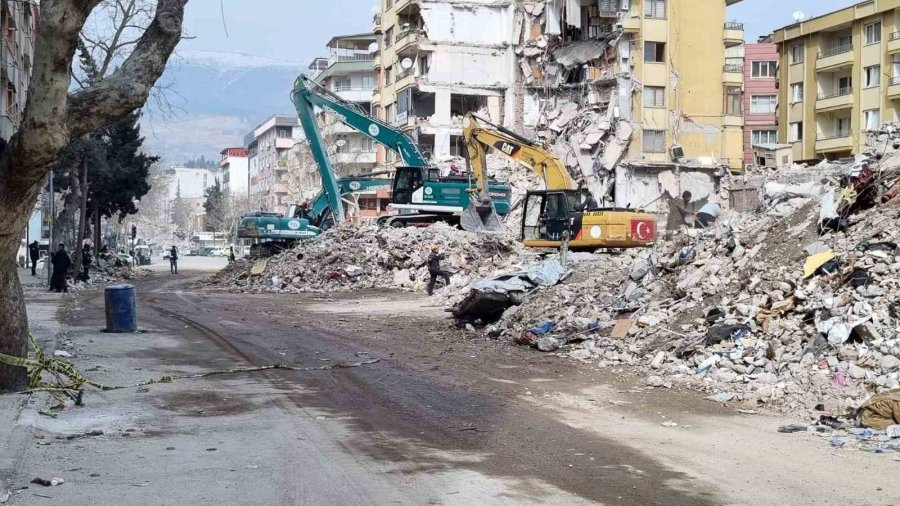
{"x": 621, "y": 90}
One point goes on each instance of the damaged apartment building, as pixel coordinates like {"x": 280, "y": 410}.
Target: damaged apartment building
{"x": 634, "y": 95}
{"x": 439, "y": 60}
{"x": 637, "y": 96}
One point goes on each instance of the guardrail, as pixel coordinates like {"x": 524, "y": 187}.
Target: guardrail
{"x": 846, "y": 48}
{"x": 836, "y": 93}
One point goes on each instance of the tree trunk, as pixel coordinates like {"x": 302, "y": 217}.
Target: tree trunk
{"x": 51, "y": 120}
{"x": 97, "y": 233}
{"x": 82, "y": 223}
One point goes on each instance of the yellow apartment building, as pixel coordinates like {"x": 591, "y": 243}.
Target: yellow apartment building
{"x": 839, "y": 77}
{"x": 691, "y": 95}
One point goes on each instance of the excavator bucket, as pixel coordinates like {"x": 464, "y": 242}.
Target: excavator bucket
{"x": 480, "y": 216}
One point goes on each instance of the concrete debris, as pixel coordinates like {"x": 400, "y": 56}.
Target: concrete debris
{"x": 359, "y": 255}
{"x": 730, "y": 308}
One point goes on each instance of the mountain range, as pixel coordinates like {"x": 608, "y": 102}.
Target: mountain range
{"x": 207, "y": 101}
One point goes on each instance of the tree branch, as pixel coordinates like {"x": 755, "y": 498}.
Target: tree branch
{"x": 127, "y": 88}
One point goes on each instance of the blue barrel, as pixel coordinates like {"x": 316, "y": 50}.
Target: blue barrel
{"x": 121, "y": 308}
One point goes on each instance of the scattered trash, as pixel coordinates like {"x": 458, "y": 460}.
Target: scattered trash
{"x": 791, "y": 428}
{"x": 669, "y": 424}
{"x": 51, "y": 482}
{"x": 62, "y": 354}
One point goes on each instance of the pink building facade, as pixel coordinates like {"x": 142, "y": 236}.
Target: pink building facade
{"x": 760, "y": 97}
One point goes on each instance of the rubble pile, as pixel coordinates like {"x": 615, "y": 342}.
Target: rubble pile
{"x": 784, "y": 305}
{"x": 358, "y": 255}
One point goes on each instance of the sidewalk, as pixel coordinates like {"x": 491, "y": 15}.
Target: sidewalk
{"x": 216, "y": 441}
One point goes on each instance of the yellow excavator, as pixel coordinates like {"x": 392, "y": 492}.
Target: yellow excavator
{"x": 560, "y": 213}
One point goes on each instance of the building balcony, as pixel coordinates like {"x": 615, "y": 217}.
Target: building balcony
{"x": 279, "y": 189}
{"x": 733, "y": 74}
{"x": 630, "y": 24}
{"x": 376, "y": 24}
{"x": 284, "y": 143}
{"x": 410, "y": 41}
{"x": 376, "y": 60}
{"x": 405, "y": 80}
{"x": 834, "y": 58}
{"x": 401, "y": 6}
{"x": 356, "y": 94}
{"x": 734, "y": 34}
{"x": 376, "y": 97}
{"x": 833, "y": 100}
{"x": 893, "y": 91}
{"x": 355, "y": 156}
{"x": 732, "y": 120}
{"x": 841, "y": 140}
{"x": 893, "y": 44}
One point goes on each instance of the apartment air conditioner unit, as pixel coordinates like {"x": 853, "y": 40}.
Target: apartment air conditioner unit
{"x": 677, "y": 152}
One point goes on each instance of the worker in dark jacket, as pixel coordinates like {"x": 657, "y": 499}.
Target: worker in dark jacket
{"x": 86, "y": 260}
{"x": 173, "y": 260}
{"x": 61, "y": 264}
{"x": 34, "y": 252}
{"x": 434, "y": 268}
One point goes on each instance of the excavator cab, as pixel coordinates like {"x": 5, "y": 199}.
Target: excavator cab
{"x": 407, "y": 180}
{"x": 550, "y": 216}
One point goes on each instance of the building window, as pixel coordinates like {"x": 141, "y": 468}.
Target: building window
{"x": 758, "y": 137}
{"x": 797, "y": 51}
{"x": 872, "y": 76}
{"x": 654, "y": 141}
{"x": 654, "y": 8}
{"x": 845, "y": 85}
{"x": 796, "y": 132}
{"x": 389, "y": 37}
{"x": 796, "y": 93}
{"x": 368, "y": 83}
{"x": 343, "y": 84}
{"x": 367, "y": 145}
{"x": 873, "y": 33}
{"x": 843, "y": 127}
{"x": 388, "y": 76}
{"x": 388, "y": 4}
{"x": 655, "y": 52}
{"x": 764, "y": 69}
{"x": 733, "y": 101}
{"x": 872, "y": 119}
{"x": 895, "y": 68}
{"x": 654, "y": 96}
{"x": 763, "y": 104}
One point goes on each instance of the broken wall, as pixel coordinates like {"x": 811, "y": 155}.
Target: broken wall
{"x": 474, "y": 23}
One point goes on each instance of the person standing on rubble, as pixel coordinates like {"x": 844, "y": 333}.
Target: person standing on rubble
{"x": 231, "y": 254}
{"x": 434, "y": 268}
{"x": 173, "y": 260}
{"x": 86, "y": 259}
{"x": 678, "y": 213}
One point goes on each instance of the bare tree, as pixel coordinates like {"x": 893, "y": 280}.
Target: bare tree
{"x": 53, "y": 117}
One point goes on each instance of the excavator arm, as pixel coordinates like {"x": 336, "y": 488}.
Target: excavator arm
{"x": 481, "y": 134}
{"x": 355, "y": 117}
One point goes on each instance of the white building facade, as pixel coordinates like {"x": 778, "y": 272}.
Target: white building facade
{"x": 348, "y": 72}
{"x": 267, "y": 146}
{"x": 235, "y": 167}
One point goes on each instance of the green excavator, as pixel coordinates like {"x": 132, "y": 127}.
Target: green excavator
{"x": 420, "y": 194}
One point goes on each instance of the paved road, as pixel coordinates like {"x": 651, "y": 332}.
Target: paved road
{"x": 437, "y": 420}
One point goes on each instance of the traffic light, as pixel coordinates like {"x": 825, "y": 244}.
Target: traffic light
{"x": 134, "y": 232}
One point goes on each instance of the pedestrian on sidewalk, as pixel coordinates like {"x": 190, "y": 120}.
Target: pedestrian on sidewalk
{"x": 434, "y": 268}
{"x": 34, "y": 252}
{"x": 173, "y": 260}
{"x": 61, "y": 265}
{"x": 86, "y": 260}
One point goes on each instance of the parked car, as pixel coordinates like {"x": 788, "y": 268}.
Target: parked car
{"x": 206, "y": 251}
{"x": 194, "y": 251}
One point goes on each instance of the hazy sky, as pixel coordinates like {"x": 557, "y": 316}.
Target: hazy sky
{"x": 294, "y": 30}
{"x": 761, "y": 17}
{"x": 297, "y": 30}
